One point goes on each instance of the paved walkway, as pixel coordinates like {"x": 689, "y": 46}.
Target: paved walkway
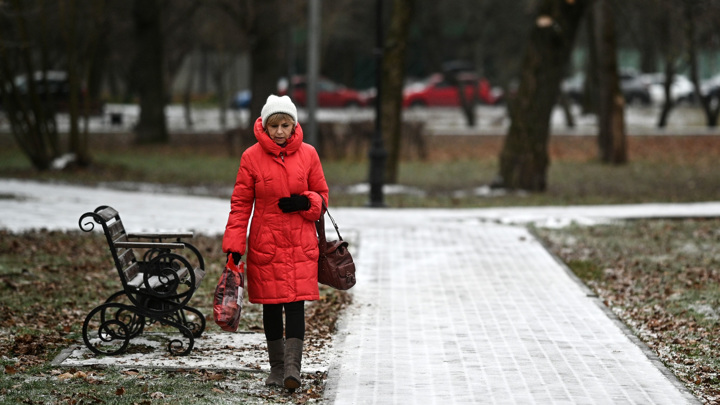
{"x": 451, "y": 306}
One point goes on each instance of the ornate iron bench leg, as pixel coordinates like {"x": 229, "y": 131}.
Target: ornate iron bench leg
{"x": 196, "y": 328}
{"x": 176, "y": 347}
{"x": 106, "y": 329}
{"x": 137, "y": 323}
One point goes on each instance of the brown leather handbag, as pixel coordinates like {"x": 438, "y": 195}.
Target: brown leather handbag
{"x": 335, "y": 265}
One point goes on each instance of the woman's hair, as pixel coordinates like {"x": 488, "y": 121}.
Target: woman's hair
{"x": 277, "y": 117}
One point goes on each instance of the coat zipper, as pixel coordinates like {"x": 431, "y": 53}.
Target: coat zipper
{"x": 282, "y": 156}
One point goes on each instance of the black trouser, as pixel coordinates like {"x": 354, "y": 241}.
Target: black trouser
{"x": 294, "y": 320}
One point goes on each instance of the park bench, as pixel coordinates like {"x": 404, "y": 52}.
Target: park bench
{"x": 155, "y": 288}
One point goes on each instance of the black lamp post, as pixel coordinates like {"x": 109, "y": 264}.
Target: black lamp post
{"x": 377, "y": 154}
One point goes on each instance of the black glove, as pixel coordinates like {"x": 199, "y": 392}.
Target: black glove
{"x": 235, "y": 257}
{"x": 294, "y": 203}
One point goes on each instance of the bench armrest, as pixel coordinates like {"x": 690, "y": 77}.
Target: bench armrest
{"x": 150, "y": 245}
{"x": 159, "y": 235}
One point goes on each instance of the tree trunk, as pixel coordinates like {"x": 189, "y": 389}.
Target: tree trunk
{"x": 219, "y": 71}
{"x": 565, "y": 104}
{"x": 393, "y": 74}
{"x": 611, "y": 111}
{"x": 589, "y": 100}
{"x": 148, "y": 71}
{"x": 711, "y": 109}
{"x": 31, "y": 115}
{"x": 467, "y": 106}
{"x": 69, "y": 12}
{"x": 187, "y": 92}
{"x": 524, "y": 158}
{"x": 668, "y": 103}
{"x": 267, "y": 54}
{"x": 665, "y": 37}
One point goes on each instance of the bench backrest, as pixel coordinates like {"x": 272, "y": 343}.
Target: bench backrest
{"x": 125, "y": 261}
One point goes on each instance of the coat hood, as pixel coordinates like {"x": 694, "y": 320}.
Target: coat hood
{"x": 269, "y": 146}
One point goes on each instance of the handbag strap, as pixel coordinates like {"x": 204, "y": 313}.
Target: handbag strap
{"x": 320, "y": 224}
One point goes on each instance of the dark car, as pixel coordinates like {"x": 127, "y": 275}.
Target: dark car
{"x": 710, "y": 88}
{"x": 635, "y": 89}
{"x": 436, "y": 90}
{"x": 329, "y": 93}
{"x": 57, "y": 91}
{"x": 53, "y": 89}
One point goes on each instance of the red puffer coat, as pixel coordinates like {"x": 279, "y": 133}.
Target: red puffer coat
{"x": 282, "y": 250}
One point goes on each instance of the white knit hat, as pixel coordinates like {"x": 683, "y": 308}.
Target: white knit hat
{"x": 275, "y": 104}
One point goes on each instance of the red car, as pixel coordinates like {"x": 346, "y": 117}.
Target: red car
{"x": 329, "y": 94}
{"x": 436, "y": 91}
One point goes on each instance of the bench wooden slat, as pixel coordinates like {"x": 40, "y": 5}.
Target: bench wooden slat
{"x": 154, "y": 281}
{"x": 132, "y": 271}
{"x": 149, "y": 245}
{"x": 199, "y": 275}
{"x": 107, "y": 213}
{"x": 125, "y": 257}
{"x": 116, "y": 229}
{"x": 159, "y": 235}
{"x": 121, "y": 237}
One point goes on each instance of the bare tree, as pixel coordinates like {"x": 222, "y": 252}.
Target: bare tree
{"x": 259, "y": 20}
{"x": 148, "y": 72}
{"x": 83, "y": 31}
{"x": 393, "y": 75}
{"x": 183, "y": 31}
{"x": 524, "y": 158}
{"x": 348, "y": 38}
{"x": 611, "y": 105}
{"x": 28, "y": 105}
{"x": 671, "y": 50}
{"x": 690, "y": 13}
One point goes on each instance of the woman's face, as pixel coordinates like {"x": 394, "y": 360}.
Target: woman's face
{"x": 280, "y": 131}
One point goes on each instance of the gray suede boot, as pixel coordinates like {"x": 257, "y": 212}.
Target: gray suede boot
{"x": 276, "y": 352}
{"x": 293, "y": 358}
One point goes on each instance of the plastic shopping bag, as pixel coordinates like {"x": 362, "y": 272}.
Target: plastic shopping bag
{"x": 227, "y": 304}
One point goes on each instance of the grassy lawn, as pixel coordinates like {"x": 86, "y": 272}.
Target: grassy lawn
{"x": 661, "y": 277}
{"x": 661, "y": 169}
{"x": 51, "y": 280}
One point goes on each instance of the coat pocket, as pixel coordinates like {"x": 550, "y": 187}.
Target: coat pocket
{"x": 310, "y": 242}
{"x": 262, "y": 246}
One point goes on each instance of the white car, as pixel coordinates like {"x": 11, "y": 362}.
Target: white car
{"x": 711, "y": 87}
{"x": 681, "y": 89}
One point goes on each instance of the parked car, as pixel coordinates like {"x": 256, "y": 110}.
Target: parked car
{"x": 329, "y": 93}
{"x": 635, "y": 88}
{"x": 241, "y": 100}
{"x": 711, "y": 87}
{"x": 437, "y": 91}
{"x": 573, "y": 87}
{"x": 56, "y": 94}
{"x": 681, "y": 88}
{"x": 57, "y": 91}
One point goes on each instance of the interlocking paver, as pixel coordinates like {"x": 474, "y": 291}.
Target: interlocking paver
{"x": 451, "y": 306}
{"x": 460, "y": 313}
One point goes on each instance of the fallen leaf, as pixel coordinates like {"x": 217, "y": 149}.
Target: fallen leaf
{"x": 120, "y": 391}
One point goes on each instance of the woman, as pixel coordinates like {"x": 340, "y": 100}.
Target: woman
{"x": 282, "y": 184}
